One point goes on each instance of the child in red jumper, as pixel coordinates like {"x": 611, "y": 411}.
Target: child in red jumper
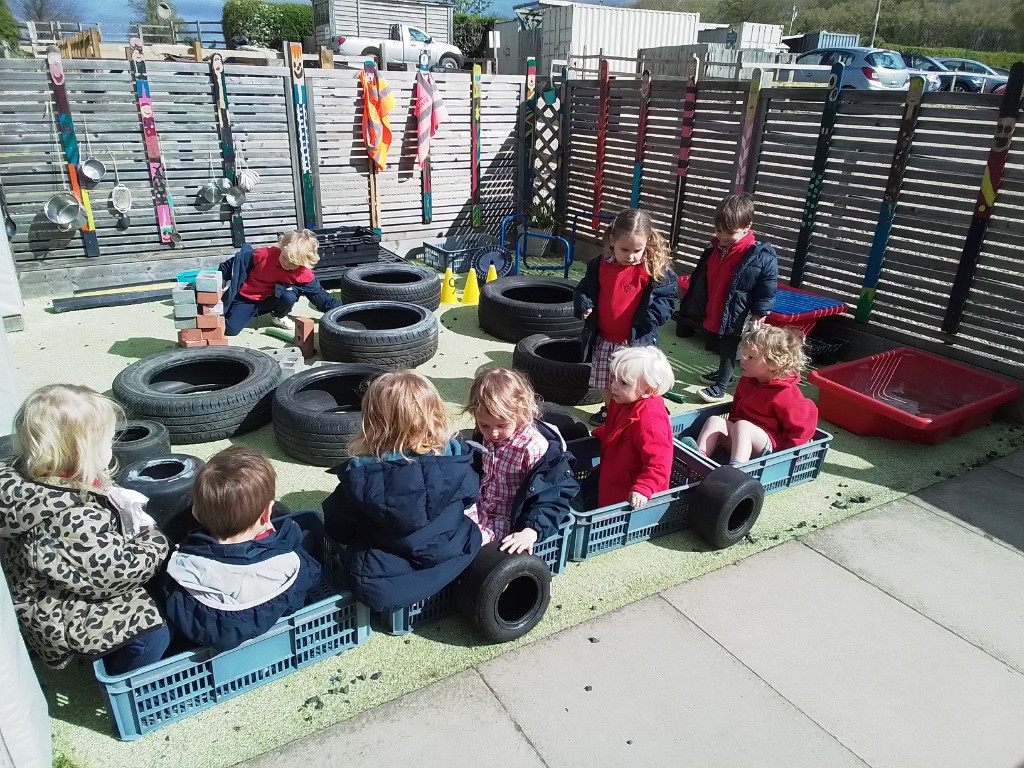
{"x": 769, "y": 412}
{"x": 735, "y": 279}
{"x": 625, "y": 296}
{"x": 271, "y": 280}
{"x": 636, "y": 439}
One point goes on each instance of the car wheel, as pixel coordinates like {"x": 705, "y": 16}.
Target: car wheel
{"x": 449, "y": 62}
{"x": 504, "y": 595}
{"x": 725, "y": 506}
{"x": 961, "y": 88}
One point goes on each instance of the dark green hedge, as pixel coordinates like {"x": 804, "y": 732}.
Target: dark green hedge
{"x": 992, "y": 58}
{"x": 471, "y": 34}
{"x": 8, "y": 26}
{"x": 267, "y": 24}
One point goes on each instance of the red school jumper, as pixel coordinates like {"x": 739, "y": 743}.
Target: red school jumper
{"x": 636, "y": 450}
{"x": 778, "y": 407}
{"x": 622, "y": 289}
{"x": 267, "y": 271}
{"x": 721, "y": 269}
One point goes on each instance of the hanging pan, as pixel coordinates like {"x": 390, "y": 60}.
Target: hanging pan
{"x": 211, "y": 191}
{"x": 92, "y": 167}
{"x": 235, "y": 197}
{"x": 120, "y": 195}
{"x": 62, "y": 208}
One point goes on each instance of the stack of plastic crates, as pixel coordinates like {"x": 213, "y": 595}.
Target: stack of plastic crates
{"x": 554, "y": 551}
{"x": 618, "y": 525}
{"x": 456, "y": 251}
{"x": 174, "y": 688}
{"x": 343, "y": 247}
{"x": 776, "y": 471}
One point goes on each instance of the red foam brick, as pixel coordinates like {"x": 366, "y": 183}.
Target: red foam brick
{"x": 207, "y": 298}
{"x": 210, "y": 322}
{"x": 221, "y": 342}
{"x": 213, "y": 333}
{"x": 216, "y": 309}
{"x": 304, "y": 327}
{"x": 190, "y": 334}
{"x": 187, "y": 344}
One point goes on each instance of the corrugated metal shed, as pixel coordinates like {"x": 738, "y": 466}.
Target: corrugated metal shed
{"x": 572, "y": 29}
{"x": 745, "y": 35}
{"x": 812, "y": 40}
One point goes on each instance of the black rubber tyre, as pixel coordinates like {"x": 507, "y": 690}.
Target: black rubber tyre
{"x": 725, "y": 506}
{"x": 564, "y": 420}
{"x": 316, "y": 412}
{"x": 504, "y": 595}
{"x": 392, "y": 282}
{"x": 139, "y": 439}
{"x": 554, "y": 368}
{"x": 167, "y": 481}
{"x": 200, "y": 395}
{"x": 512, "y": 308}
{"x": 449, "y": 62}
{"x": 392, "y": 334}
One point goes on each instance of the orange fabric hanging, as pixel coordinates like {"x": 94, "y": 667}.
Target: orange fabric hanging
{"x": 377, "y": 103}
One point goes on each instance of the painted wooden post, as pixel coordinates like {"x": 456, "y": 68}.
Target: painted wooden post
{"x": 197, "y": 50}
{"x": 603, "y": 78}
{"x": 641, "y": 137}
{"x": 685, "y": 142}
{"x": 426, "y": 177}
{"x": 69, "y": 141}
{"x": 293, "y": 60}
{"x": 828, "y": 124}
{"x": 1009, "y": 112}
{"x": 530, "y": 134}
{"x": 757, "y": 134}
{"x": 227, "y": 141}
{"x": 564, "y": 140}
{"x": 326, "y": 58}
{"x": 162, "y": 200}
{"x": 370, "y": 73}
{"x": 744, "y": 156}
{"x": 887, "y": 212}
{"x": 474, "y": 144}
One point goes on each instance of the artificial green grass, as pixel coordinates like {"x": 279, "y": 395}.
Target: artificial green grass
{"x": 90, "y": 347}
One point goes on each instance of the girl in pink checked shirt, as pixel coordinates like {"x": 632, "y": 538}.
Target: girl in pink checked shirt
{"x": 526, "y": 482}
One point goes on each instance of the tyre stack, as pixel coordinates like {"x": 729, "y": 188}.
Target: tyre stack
{"x": 392, "y": 282}
{"x": 555, "y": 369}
{"x": 512, "y": 308}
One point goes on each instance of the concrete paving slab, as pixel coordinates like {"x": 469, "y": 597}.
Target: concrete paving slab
{"x": 651, "y": 690}
{"x": 893, "y": 686}
{"x": 456, "y": 723}
{"x": 986, "y": 499}
{"x": 962, "y": 580}
{"x": 1014, "y": 463}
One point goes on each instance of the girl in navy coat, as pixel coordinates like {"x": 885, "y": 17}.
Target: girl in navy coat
{"x": 399, "y": 508}
{"x": 527, "y": 481}
{"x": 625, "y": 296}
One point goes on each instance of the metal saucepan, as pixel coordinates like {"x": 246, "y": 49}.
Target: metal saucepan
{"x": 211, "y": 193}
{"x": 92, "y": 167}
{"x": 63, "y": 209}
{"x": 81, "y": 218}
{"x": 235, "y": 197}
{"x": 224, "y": 184}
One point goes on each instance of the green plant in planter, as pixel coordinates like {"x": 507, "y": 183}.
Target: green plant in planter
{"x": 543, "y": 217}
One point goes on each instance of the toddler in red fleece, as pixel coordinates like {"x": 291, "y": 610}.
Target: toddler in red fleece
{"x": 636, "y": 438}
{"x": 769, "y": 412}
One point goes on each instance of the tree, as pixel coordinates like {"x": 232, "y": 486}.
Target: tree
{"x": 48, "y": 10}
{"x": 471, "y": 7}
{"x": 8, "y": 27}
{"x": 149, "y": 11}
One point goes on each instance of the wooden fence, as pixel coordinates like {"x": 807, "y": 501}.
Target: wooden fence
{"x": 937, "y": 200}
{"x": 260, "y": 98}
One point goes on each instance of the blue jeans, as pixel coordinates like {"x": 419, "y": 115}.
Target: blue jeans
{"x": 242, "y": 310}
{"x": 138, "y": 652}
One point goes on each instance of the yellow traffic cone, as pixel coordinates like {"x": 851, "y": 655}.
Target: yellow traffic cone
{"x": 492, "y": 274}
{"x": 471, "y": 293}
{"x": 448, "y": 295}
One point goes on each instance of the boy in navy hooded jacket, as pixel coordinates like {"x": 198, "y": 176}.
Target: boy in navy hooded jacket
{"x": 233, "y": 579}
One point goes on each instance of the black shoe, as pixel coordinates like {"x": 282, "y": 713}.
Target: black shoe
{"x": 713, "y": 394}
{"x": 711, "y": 377}
{"x": 600, "y": 417}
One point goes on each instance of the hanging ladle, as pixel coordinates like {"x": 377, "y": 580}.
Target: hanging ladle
{"x": 92, "y": 167}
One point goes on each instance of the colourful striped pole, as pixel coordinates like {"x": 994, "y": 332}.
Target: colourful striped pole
{"x": 828, "y": 124}
{"x": 474, "y": 144}
{"x": 293, "y": 56}
{"x": 602, "y": 137}
{"x": 887, "y": 212}
{"x": 529, "y": 133}
{"x": 641, "y": 137}
{"x": 743, "y": 151}
{"x": 685, "y": 142}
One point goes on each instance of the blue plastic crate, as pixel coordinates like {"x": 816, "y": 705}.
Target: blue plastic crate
{"x": 776, "y": 471}
{"x": 554, "y": 551}
{"x": 618, "y": 525}
{"x": 143, "y": 700}
{"x": 456, "y": 251}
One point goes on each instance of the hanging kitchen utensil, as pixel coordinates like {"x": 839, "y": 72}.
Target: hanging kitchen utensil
{"x": 211, "y": 191}
{"x": 247, "y": 179}
{"x": 62, "y": 208}
{"x": 120, "y": 195}
{"x": 9, "y": 223}
{"x": 92, "y": 167}
{"x": 235, "y": 197}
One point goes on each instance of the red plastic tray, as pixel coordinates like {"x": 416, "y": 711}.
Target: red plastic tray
{"x": 907, "y": 394}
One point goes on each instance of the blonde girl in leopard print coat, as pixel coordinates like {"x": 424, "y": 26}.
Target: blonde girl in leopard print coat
{"x": 75, "y": 572}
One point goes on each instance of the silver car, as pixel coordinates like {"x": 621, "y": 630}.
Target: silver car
{"x": 874, "y": 69}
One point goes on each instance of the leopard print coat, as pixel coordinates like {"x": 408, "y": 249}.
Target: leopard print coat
{"x": 75, "y": 579}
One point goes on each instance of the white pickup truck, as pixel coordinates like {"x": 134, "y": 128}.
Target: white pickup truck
{"x": 403, "y": 46}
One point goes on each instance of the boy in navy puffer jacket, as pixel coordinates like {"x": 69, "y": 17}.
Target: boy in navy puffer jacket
{"x": 232, "y": 580}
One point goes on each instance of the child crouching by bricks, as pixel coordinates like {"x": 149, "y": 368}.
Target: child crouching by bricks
{"x": 271, "y": 280}
{"x": 231, "y": 580}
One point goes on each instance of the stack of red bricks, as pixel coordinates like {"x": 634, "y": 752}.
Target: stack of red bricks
{"x": 199, "y": 311}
